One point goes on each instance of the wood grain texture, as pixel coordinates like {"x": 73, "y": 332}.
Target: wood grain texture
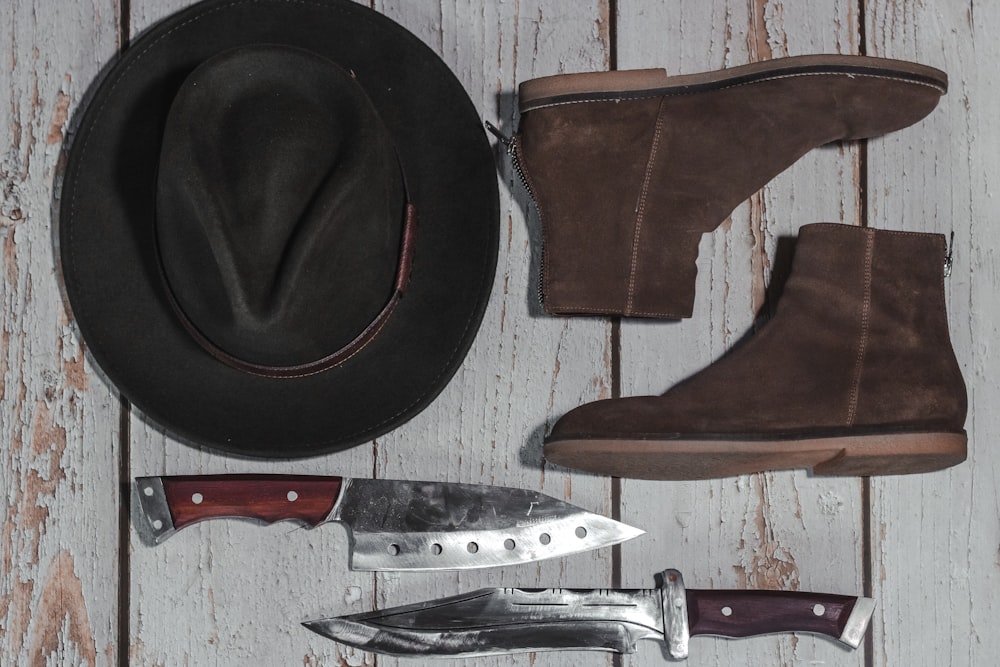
{"x": 231, "y": 592}
{"x": 525, "y": 369}
{"x": 935, "y": 537}
{"x": 486, "y": 426}
{"x": 58, "y": 418}
{"x": 779, "y": 530}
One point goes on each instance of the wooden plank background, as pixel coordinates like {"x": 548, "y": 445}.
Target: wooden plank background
{"x": 79, "y": 587}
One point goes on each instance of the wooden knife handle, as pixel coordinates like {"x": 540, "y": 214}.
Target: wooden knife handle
{"x": 742, "y": 613}
{"x": 268, "y": 498}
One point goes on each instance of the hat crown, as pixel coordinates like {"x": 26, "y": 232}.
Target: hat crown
{"x": 279, "y": 205}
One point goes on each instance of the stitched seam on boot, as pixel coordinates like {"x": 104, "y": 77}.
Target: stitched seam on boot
{"x": 865, "y": 313}
{"x": 640, "y": 209}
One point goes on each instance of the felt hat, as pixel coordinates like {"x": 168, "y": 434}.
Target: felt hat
{"x": 279, "y": 225}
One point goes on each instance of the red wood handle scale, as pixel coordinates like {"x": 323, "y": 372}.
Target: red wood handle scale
{"x": 171, "y": 503}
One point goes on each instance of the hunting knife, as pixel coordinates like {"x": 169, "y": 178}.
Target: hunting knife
{"x": 392, "y": 524}
{"x": 494, "y": 621}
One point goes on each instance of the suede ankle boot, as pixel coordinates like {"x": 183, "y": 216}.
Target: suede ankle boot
{"x": 854, "y": 375}
{"x": 628, "y": 169}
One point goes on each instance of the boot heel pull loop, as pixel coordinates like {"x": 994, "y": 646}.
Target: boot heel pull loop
{"x": 948, "y": 257}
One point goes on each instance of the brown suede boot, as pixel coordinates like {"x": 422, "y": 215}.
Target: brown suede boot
{"x": 628, "y": 169}
{"x": 855, "y": 375}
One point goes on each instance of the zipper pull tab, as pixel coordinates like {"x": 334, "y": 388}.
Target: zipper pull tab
{"x": 501, "y": 137}
{"x": 948, "y": 257}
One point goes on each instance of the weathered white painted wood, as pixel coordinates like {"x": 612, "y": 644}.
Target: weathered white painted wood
{"x": 779, "y": 530}
{"x": 190, "y": 602}
{"x": 58, "y": 423}
{"x": 234, "y": 592}
{"x": 936, "y": 536}
{"x": 524, "y": 368}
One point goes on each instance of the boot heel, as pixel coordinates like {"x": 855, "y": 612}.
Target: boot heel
{"x": 897, "y": 454}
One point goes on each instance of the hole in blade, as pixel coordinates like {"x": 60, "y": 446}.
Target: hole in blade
{"x": 509, "y": 544}
{"x": 436, "y": 549}
{"x": 393, "y": 549}
{"x": 581, "y": 532}
{"x": 472, "y": 547}
{"x": 544, "y": 538}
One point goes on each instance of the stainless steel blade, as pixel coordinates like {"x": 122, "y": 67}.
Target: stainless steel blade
{"x": 402, "y": 525}
{"x": 505, "y": 620}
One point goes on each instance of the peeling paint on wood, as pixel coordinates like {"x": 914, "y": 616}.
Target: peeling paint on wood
{"x": 233, "y": 593}
{"x": 58, "y": 539}
{"x": 60, "y": 620}
{"x": 758, "y": 531}
{"x": 935, "y": 548}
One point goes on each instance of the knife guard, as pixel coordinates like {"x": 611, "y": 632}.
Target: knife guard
{"x": 268, "y": 498}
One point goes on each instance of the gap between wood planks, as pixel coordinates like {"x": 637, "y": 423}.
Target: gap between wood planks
{"x": 124, "y": 566}
{"x": 866, "y": 483}
{"x": 124, "y": 452}
{"x": 616, "y": 351}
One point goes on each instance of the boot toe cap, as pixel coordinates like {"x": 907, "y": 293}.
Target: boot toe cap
{"x": 609, "y": 418}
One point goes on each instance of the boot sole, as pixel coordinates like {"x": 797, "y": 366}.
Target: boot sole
{"x": 635, "y": 84}
{"x": 709, "y": 458}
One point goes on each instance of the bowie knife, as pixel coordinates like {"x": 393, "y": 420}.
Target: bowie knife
{"x": 393, "y": 525}
{"x": 511, "y": 620}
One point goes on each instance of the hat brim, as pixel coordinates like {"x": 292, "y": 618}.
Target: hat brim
{"x": 109, "y": 262}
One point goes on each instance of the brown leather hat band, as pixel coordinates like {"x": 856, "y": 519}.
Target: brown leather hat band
{"x": 403, "y": 269}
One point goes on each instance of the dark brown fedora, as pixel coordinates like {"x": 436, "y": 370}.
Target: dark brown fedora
{"x": 279, "y": 225}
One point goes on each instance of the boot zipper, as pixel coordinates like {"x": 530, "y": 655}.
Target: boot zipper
{"x": 947, "y": 258}
{"x": 510, "y": 146}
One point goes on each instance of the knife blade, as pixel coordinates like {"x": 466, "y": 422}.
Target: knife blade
{"x": 511, "y": 620}
{"x": 392, "y": 524}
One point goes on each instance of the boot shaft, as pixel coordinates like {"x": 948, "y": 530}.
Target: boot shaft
{"x": 879, "y": 297}
{"x": 629, "y": 169}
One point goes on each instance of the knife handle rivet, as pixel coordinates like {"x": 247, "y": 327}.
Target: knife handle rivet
{"x": 544, "y": 538}
{"x": 581, "y": 532}
{"x": 819, "y": 609}
{"x": 196, "y": 498}
{"x": 509, "y": 544}
{"x": 292, "y": 496}
{"x": 157, "y": 524}
{"x": 148, "y": 490}
{"x": 727, "y": 611}
{"x": 472, "y": 547}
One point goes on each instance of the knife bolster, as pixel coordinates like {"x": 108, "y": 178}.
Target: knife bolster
{"x": 673, "y": 600}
